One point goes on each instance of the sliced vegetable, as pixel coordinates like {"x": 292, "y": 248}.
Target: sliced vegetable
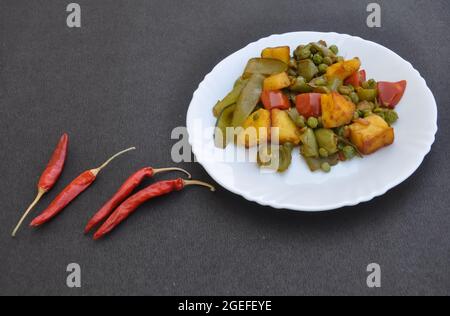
{"x": 300, "y": 85}
{"x": 248, "y": 99}
{"x": 309, "y": 147}
{"x": 221, "y": 139}
{"x": 390, "y": 93}
{"x": 286, "y": 129}
{"x": 356, "y": 79}
{"x": 336, "y": 110}
{"x": 264, "y": 66}
{"x": 307, "y": 69}
{"x": 343, "y": 69}
{"x": 275, "y": 100}
{"x": 282, "y": 53}
{"x": 275, "y": 157}
{"x": 370, "y": 134}
{"x": 256, "y": 129}
{"x": 231, "y": 98}
{"x": 327, "y": 140}
{"x": 277, "y": 82}
{"x": 309, "y": 104}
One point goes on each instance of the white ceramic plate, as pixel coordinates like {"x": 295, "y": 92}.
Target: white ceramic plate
{"x": 349, "y": 183}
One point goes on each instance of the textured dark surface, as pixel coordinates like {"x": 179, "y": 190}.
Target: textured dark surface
{"x": 126, "y": 78}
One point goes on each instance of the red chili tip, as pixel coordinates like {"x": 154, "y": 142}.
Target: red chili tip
{"x": 97, "y": 236}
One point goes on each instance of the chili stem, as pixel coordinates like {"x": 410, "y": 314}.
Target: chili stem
{"x": 200, "y": 183}
{"x": 156, "y": 171}
{"x": 97, "y": 170}
{"x": 40, "y": 194}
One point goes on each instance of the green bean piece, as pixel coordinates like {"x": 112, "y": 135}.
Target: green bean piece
{"x": 370, "y": 84}
{"x": 275, "y": 157}
{"x": 327, "y": 139}
{"x": 221, "y": 139}
{"x": 323, "y": 50}
{"x": 313, "y": 163}
{"x": 307, "y": 69}
{"x": 309, "y": 147}
{"x": 296, "y": 117}
{"x": 231, "y": 98}
{"x": 312, "y": 122}
{"x": 248, "y": 99}
{"x": 264, "y": 66}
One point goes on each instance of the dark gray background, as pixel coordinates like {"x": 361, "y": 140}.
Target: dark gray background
{"x": 126, "y": 78}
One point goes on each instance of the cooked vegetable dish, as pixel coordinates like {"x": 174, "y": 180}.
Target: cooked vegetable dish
{"x": 313, "y": 99}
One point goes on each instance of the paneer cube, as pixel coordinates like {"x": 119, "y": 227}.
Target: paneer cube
{"x": 282, "y": 53}
{"x": 287, "y": 131}
{"x": 256, "y": 129}
{"x": 336, "y": 110}
{"x": 370, "y": 134}
{"x": 277, "y": 82}
{"x": 344, "y": 69}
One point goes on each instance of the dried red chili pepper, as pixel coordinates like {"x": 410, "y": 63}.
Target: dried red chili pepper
{"x": 136, "y": 200}
{"x": 124, "y": 192}
{"x": 74, "y": 189}
{"x": 49, "y": 177}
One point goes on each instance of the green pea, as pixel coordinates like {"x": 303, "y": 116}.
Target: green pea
{"x": 314, "y": 50}
{"x": 334, "y": 49}
{"x": 317, "y": 59}
{"x": 323, "y": 68}
{"x": 312, "y": 122}
{"x": 349, "y": 152}
{"x": 390, "y": 117}
{"x": 323, "y": 153}
{"x": 328, "y": 61}
{"x": 325, "y": 167}
{"x": 356, "y": 115}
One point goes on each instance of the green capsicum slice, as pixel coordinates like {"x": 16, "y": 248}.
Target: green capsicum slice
{"x": 248, "y": 99}
{"x": 264, "y": 66}
{"x": 225, "y": 120}
{"x": 231, "y": 98}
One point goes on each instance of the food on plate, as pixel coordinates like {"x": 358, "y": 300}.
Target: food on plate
{"x": 313, "y": 99}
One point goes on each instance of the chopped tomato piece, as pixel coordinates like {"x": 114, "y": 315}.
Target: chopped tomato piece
{"x": 309, "y": 104}
{"x": 356, "y": 79}
{"x": 390, "y": 93}
{"x": 275, "y": 99}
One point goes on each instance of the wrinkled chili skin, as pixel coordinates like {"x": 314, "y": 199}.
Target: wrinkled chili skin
{"x": 55, "y": 167}
{"x": 136, "y": 200}
{"x": 125, "y": 190}
{"x": 74, "y": 189}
